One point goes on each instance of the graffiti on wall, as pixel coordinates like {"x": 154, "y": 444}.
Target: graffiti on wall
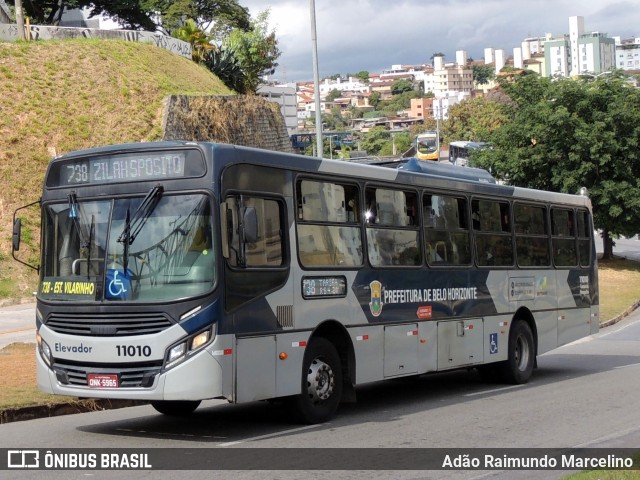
{"x": 9, "y": 32}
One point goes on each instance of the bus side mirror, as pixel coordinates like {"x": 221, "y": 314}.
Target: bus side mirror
{"x": 250, "y": 222}
{"x": 17, "y": 229}
{"x": 17, "y": 232}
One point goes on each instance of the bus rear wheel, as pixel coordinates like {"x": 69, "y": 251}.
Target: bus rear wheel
{"x": 519, "y": 366}
{"x": 176, "y": 408}
{"x": 321, "y": 383}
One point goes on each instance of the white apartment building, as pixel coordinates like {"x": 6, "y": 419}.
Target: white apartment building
{"x": 627, "y": 54}
{"x": 285, "y": 96}
{"x": 449, "y": 79}
{"x": 578, "y": 52}
{"x": 351, "y": 85}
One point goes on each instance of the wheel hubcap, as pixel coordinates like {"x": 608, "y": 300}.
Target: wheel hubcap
{"x": 320, "y": 381}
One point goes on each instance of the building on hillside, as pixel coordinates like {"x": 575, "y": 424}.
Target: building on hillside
{"x": 532, "y": 46}
{"x": 383, "y": 87}
{"x": 421, "y": 108}
{"x": 628, "y": 53}
{"x": 450, "y": 78}
{"x": 285, "y": 96}
{"x": 536, "y": 63}
{"x": 557, "y": 57}
{"x": 578, "y": 53}
{"x": 343, "y": 86}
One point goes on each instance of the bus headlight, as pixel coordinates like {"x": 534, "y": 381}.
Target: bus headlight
{"x": 178, "y": 352}
{"x": 200, "y": 340}
{"x": 45, "y": 351}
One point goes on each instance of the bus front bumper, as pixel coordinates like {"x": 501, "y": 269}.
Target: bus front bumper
{"x": 197, "y": 378}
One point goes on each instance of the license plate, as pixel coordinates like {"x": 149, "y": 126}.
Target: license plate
{"x": 102, "y": 380}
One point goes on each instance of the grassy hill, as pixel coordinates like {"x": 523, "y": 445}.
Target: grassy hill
{"x": 60, "y": 96}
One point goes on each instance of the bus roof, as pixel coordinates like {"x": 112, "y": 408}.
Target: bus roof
{"x": 468, "y": 144}
{"x": 413, "y": 172}
{"x": 447, "y": 170}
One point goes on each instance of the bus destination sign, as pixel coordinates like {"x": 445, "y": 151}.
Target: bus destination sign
{"x": 123, "y": 168}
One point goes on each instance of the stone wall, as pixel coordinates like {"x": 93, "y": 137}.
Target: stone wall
{"x": 239, "y": 119}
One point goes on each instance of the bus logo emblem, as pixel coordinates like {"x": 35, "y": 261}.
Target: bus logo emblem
{"x": 376, "y": 298}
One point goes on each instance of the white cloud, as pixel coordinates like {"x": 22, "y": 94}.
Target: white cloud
{"x": 356, "y": 35}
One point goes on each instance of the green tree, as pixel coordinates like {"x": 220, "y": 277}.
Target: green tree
{"x": 566, "y": 134}
{"x": 375, "y": 140}
{"x": 483, "y": 74}
{"x": 362, "y": 75}
{"x": 215, "y": 16}
{"x": 198, "y": 39}
{"x": 474, "y": 119}
{"x": 374, "y": 99}
{"x": 256, "y": 50}
{"x": 401, "y": 85}
{"x": 398, "y": 102}
{"x": 333, "y": 94}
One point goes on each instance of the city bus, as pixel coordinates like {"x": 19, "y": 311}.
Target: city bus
{"x": 426, "y": 145}
{"x": 460, "y": 152}
{"x": 175, "y": 272}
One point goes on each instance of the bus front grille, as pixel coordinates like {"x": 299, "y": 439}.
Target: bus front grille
{"x": 137, "y": 376}
{"x": 101, "y": 325}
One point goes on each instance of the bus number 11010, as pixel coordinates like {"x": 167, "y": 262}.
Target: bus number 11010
{"x": 133, "y": 350}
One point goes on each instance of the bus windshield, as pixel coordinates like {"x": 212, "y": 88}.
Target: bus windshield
{"x": 89, "y": 258}
{"x": 426, "y": 144}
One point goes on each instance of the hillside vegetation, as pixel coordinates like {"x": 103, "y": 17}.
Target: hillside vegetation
{"x": 60, "y": 96}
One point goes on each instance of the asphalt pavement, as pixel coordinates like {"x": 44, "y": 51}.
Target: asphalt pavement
{"x": 18, "y": 324}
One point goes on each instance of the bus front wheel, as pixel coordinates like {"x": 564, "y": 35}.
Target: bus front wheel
{"x": 519, "y": 366}
{"x": 321, "y": 383}
{"x": 176, "y": 408}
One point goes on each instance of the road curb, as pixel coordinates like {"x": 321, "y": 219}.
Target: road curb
{"x": 32, "y": 412}
{"x": 622, "y": 316}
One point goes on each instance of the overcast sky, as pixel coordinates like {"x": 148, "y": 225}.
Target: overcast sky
{"x": 372, "y": 35}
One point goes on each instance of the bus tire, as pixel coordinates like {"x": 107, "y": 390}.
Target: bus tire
{"x": 176, "y": 408}
{"x": 321, "y": 383}
{"x": 519, "y": 365}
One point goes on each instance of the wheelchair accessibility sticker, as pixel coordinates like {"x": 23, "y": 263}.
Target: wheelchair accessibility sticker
{"x": 118, "y": 285}
{"x": 493, "y": 343}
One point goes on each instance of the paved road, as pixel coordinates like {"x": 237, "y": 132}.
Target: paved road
{"x": 17, "y": 324}
{"x": 582, "y": 395}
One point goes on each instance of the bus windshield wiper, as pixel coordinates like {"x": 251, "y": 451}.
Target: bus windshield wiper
{"x": 134, "y": 224}
{"x": 74, "y": 214}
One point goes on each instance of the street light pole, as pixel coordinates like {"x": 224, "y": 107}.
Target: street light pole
{"x": 316, "y": 80}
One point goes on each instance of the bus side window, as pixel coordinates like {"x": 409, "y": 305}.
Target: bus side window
{"x": 327, "y": 231}
{"x": 532, "y": 235}
{"x": 264, "y": 250}
{"x": 446, "y": 230}
{"x": 565, "y": 253}
{"x": 492, "y": 227}
{"x": 585, "y": 232}
{"x": 392, "y": 227}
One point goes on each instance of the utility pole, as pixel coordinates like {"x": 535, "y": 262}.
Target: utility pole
{"x": 316, "y": 80}
{"x": 20, "y": 19}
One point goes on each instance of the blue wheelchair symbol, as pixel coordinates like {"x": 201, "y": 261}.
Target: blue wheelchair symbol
{"x": 493, "y": 343}
{"x": 118, "y": 285}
